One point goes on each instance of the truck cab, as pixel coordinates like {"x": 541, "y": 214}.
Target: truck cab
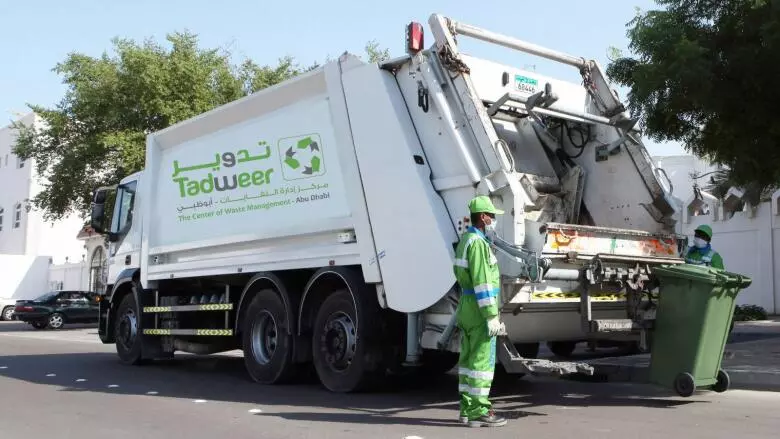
{"x": 114, "y": 215}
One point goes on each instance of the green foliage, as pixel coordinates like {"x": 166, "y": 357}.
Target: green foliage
{"x": 375, "y": 54}
{"x": 96, "y": 134}
{"x": 746, "y": 313}
{"x": 704, "y": 73}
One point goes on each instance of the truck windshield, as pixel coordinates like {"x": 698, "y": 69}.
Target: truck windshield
{"x": 123, "y": 212}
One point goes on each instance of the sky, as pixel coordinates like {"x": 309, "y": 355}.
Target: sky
{"x": 37, "y": 34}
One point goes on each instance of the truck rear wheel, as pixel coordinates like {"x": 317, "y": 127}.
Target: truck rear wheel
{"x": 127, "y": 331}
{"x": 344, "y": 353}
{"x": 267, "y": 345}
{"x": 562, "y": 349}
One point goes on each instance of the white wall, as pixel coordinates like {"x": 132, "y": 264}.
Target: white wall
{"x": 23, "y": 277}
{"x": 35, "y": 236}
{"x": 76, "y": 275}
{"x": 679, "y": 169}
{"x": 749, "y": 242}
{"x": 15, "y": 183}
{"x": 71, "y": 276}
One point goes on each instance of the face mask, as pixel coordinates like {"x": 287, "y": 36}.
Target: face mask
{"x": 490, "y": 227}
{"x": 699, "y": 243}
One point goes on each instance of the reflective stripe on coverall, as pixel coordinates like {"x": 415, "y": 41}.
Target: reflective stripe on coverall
{"x": 707, "y": 257}
{"x": 476, "y": 270}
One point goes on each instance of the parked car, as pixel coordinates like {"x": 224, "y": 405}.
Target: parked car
{"x": 7, "y": 309}
{"x": 56, "y": 308}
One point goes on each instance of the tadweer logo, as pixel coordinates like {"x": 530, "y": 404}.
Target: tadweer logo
{"x": 189, "y": 187}
{"x": 302, "y": 157}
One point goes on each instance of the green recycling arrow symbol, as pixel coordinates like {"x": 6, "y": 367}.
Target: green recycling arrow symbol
{"x": 315, "y": 163}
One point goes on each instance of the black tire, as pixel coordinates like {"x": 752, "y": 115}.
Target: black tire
{"x": 527, "y": 350}
{"x": 562, "y": 348}
{"x": 128, "y": 332}
{"x": 267, "y": 345}
{"x": 723, "y": 383}
{"x": 347, "y": 357}
{"x": 684, "y": 385}
{"x": 7, "y": 314}
{"x": 55, "y": 321}
{"x": 436, "y": 362}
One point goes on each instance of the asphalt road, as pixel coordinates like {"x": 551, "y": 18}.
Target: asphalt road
{"x": 66, "y": 384}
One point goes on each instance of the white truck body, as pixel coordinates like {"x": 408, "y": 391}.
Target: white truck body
{"x": 372, "y": 166}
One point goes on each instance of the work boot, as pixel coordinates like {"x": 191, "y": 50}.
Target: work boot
{"x": 463, "y": 419}
{"x": 488, "y": 420}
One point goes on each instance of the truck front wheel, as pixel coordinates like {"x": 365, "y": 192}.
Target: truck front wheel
{"x": 343, "y": 349}
{"x": 267, "y": 343}
{"x": 127, "y": 331}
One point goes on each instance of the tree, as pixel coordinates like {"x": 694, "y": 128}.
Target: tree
{"x": 375, "y": 54}
{"x": 703, "y": 72}
{"x": 96, "y": 134}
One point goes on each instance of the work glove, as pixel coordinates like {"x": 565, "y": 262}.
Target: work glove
{"x": 495, "y": 327}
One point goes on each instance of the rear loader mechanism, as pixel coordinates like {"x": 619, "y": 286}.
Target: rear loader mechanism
{"x": 598, "y": 225}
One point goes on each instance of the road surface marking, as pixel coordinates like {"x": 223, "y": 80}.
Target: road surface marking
{"x": 199, "y": 401}
{"x": 152, "y": 392}
{"x": 255, "y": 411}
{"x": 3, "y": 367}
{"x": 51, "y": 374}
{"x": 80, "y": 380}
{"x": 112, "y": 386}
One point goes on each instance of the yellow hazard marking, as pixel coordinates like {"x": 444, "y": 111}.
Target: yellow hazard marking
{"x": 204, "y": 332}
{"x": 204, "y": 307}
{"x": 213, "y": 332}
{"x": 574, "y": 295}
{"x": 157, "y": 309}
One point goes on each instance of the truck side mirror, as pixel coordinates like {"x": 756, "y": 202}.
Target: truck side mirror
{"x": 98, "y": 217}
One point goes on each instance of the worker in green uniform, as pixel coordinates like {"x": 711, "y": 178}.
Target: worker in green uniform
{"x": 476, "y": 270}
{"x": 701, "y": 253}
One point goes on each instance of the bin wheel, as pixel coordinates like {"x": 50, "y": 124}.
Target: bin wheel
{"x": 684, "y": 385}
{"x": 723, "y": 382}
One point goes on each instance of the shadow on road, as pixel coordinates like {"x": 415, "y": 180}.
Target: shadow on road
{"x": 401, "y": 400}
{"x": 17, "y": 326}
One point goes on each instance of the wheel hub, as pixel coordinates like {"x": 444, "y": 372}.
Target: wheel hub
{"x": 128, "y": 328}
{"x": 264, "y": 337}
{"x": 339, "y": 341}
{"x": 55, "y": 321}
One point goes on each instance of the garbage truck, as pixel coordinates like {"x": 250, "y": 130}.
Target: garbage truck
{"x": 314, "y": 223}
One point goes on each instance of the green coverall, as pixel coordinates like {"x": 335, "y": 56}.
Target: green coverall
{"x": 476, "y": 270}
{"x": 706, "y": 256}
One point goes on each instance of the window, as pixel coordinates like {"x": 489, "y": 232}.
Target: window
{"x": 123, "y": 214}
{"x": 97, "y": 271}
{"x": 17, "y": 215}
{"x": 2, "y": 211}
{"x": 19, "y": 162}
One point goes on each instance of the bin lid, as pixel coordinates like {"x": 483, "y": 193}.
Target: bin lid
{"x": 703, "y": 274}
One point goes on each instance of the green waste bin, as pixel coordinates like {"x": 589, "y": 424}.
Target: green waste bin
{"x": 695, "y": 310}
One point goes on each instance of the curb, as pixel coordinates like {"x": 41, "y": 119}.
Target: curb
{"x": 635, "y": 369}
